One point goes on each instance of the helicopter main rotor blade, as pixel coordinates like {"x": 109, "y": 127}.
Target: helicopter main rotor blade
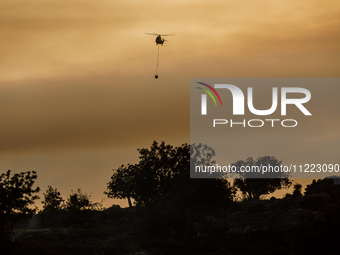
{"x": 151, "y": 34}
{"x": 167, "y": 35}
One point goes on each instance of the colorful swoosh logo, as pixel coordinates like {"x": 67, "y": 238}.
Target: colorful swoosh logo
{"x": 209, "y": 93}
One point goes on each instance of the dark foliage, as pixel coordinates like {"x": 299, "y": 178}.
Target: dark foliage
{"x": 320, "y": 186}
{"x": 16, "y": 196}
{"x": 161, "y": 183}
{"x": 175, "y": 214}
{"x": 254, "y": 185}
{"x": 17, "y": 192}
{"x": 157, "y": 169}
{"x": 297, "y": 192}
{"x": 122, "y": 184}
{"x": 80, "y": 201}
{"x": 52, "y": 199}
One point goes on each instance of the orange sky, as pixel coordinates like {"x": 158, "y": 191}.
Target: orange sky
{"x": 77, "y": 93}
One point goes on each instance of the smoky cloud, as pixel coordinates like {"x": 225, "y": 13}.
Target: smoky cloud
{"x": 78, "y": 75}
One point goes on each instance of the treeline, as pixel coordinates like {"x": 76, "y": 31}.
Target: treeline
{"x": 166, "y": 203}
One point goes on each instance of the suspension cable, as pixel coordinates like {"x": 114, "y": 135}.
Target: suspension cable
{"x": 157, "y": 60}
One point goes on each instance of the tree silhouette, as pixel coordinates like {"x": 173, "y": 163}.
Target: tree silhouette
{"x": 122, "y": 183}
{"x": 253, "y": 186}
{"x": 16, "y": 196}
{"x": 52, "y": 198}
{"x": 320, "y": 186}
{"x": 157, "y": 168}
{"x": 178, "y": 201}
{"x": 163, "y": 172}
{"x": 212, "y": 192}
{"x": 201, "y": 154}
{"x": 152, "y": 177}
{"x": 17, "y": 192}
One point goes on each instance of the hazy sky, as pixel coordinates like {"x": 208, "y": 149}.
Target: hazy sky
{"x": 77, "y": 88}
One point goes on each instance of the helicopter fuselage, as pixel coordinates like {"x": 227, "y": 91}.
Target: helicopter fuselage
{"x": 159, "y": 40}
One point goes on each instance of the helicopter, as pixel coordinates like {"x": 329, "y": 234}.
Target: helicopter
{"x": 159, "y": 39}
